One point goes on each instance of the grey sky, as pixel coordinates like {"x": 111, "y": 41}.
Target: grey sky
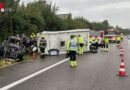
{"x": 117, "y": 12}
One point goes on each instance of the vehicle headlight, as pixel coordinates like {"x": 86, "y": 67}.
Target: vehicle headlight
{"x": 113, "y": 38}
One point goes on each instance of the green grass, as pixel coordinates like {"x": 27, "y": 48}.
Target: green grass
{"x": 26, "y": 58}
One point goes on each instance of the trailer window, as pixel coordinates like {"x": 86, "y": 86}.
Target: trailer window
{"x": 62, "y": 43}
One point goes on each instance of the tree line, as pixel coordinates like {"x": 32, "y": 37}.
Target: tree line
{"x": 39, "y": 16}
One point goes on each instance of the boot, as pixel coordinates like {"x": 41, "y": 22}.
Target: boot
{"x": 75, "y": 63}
{"x": 71, "y": 63}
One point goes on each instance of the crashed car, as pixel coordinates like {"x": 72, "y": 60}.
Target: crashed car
{"x": 13, "y": 49}
{"x": 1, "y": 50}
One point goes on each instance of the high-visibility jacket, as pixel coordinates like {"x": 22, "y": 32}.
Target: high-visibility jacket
{"x": 106, "y": 41}
{"x": 96, "y": 40}
{"x": 118, "y": 38}
{"x": 72, "y": 44}
{"x": 43, "y": 43}
{"x": 80, "y": 40}
{"x": 90, "y": 41}
{"x": 122, "y": 35}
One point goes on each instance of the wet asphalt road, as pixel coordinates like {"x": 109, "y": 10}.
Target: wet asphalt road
{"x": 94, "y": 72}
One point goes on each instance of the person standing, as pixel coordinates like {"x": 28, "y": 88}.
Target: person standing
{"x": 80, "y": 44}
{"x": 106, "y": 43}
{"x": 72, "y": 48}
{"x": 103, "y": 44}
{"x": 96, "y": 42}
{"x": 118, "y": 39}
{"x": 122, "y": 36}
{"x": 43, "y": 44}
{"x": 90, "y": 43}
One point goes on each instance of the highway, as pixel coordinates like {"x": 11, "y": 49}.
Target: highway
{"x": 94, "y": 72}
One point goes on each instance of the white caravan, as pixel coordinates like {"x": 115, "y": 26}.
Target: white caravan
{"x": 57, "y": 40}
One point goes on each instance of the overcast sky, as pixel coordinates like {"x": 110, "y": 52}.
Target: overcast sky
{"x": 117, "y": 12}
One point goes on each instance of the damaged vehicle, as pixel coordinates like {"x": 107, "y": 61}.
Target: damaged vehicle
{"x": 13, "y": 48}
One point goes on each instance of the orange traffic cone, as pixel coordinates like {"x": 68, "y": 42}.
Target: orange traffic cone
{"x": 120, "y": 42}
{"x": 121, "y": 53}
{"x": 34, "y": 56}
{"x": 122, "y": 71}
{"x": 122, "y": 65}
{"x": 121, "y": 47}
{"x": 121, "y": 50}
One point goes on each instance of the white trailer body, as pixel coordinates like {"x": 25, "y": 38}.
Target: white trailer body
{"x": 58, "y": 39}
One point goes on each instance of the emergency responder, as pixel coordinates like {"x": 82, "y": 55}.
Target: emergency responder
{"x": 96, "y": 42}
{"x": 34, "y": 44}
{"x": 122, "y": 35}
{"x": 90, "y": 43}
{"x": 72, "y": 48}
{"x": 106, "y": 43}
{"x": 103, "y": 43}
{"x": 80, "y": 44}
{"x": 118, "y": 39}
{"x": 43, "y": 44}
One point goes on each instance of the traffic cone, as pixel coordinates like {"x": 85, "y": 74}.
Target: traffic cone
{"x": 121, "y": 50}
{"x": 122, "y": 71}
{"x": 34, "y": 56}
{"x": 120, "y": 42}
{"x": 122, "y": 65}
{"x": 121, "y": 53}
{"x": 121, "y": 47}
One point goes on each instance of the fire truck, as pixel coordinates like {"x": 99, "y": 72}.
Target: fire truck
{"x": 111, "y": 35}
{"x": 98, "y": 34}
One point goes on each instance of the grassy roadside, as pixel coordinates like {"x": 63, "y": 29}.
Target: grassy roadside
{"x": 4, "y": 63}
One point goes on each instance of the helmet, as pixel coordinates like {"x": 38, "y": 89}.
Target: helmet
{"x": 31, "y": 36}
{"x": 34, "y": 36}
{"x": 42, "y": 36}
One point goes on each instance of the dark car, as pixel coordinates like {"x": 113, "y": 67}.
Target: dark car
{"x": 13, "y": 49}
{"x": 128, "y": 36}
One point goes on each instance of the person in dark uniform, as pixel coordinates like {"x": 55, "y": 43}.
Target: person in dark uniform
{"x": 43, "y": 44}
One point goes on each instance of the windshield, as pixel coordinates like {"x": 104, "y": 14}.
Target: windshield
{"x": 95, "y": 34}
{"x": 111, "y": 33}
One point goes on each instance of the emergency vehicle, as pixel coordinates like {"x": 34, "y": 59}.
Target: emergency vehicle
{"x": 111, "y": 35}
{"x": 98, "y": 34}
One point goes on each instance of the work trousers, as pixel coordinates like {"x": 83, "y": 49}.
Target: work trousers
{"x": 103, "y": 45}
{"x": 106, "y": 45}
{"x": 42, "y": 52}
{"x": 118, "y": 42}
{"x": 72, "y": 55}
{"x": 96, "y": 44}
{"x": 81, "y": 48}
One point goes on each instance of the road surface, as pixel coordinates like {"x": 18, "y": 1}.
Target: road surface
{"x": 94, "y": 72}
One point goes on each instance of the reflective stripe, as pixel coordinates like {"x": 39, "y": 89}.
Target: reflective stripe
{"x": 73, "y": 44}
{"x": 122, "y": 64}
{"x": 122, "y": 69}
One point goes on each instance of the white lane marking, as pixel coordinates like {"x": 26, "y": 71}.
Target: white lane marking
{"x": 32, "y": 75}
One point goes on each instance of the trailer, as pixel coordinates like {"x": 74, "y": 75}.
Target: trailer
{"x": 57, "y": 40}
